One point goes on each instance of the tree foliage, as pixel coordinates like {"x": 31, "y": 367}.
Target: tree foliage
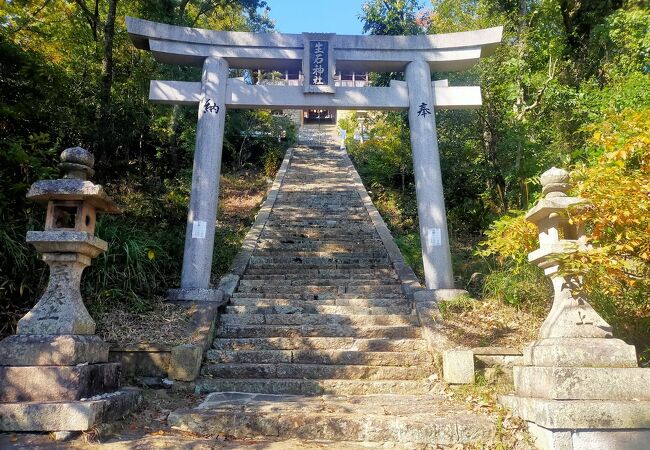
{"x": 568, "y": 87}
{"x": 70, "y": 75}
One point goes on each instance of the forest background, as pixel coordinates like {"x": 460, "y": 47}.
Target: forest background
{"x": 569, "y": 87}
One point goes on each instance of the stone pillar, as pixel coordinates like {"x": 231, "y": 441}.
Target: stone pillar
{"x": 428, "y": 178}
{"x": 201, "y": 218}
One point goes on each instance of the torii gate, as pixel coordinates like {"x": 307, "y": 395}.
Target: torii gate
{"x": 318, "y": 56}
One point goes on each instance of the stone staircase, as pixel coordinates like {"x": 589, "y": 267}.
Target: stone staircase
{"x": 319, "y": 342}
{"x": 318, "y": 134}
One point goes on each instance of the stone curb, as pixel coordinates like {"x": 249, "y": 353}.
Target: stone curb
{"x": 229, "y": 282}
{"x": 155, "y": 360}
{"x": 428, "y": 313}
{"x": 409, "y": 280}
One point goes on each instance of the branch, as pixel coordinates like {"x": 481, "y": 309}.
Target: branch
{"x": 207, "y": 6}
{"x": 31, "y": 16}
{"x": 90, "y": 17}
{"x": 540, "y": 91}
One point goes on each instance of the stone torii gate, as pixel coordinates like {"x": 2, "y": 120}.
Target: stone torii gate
{"x": 319, "y": 56}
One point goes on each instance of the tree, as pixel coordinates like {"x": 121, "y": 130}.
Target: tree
{"x": 390, "y": 17}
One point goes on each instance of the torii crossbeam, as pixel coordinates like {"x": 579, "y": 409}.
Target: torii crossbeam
{"x": 319, "y": 56}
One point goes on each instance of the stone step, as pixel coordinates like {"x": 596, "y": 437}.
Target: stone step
{"x": 294, "y": 266}
{"x": 352, "y": 249}
{"x": 317, "y": 309}
{"x": 260, "y": 272}
{"x": 380, "y": 289}
{"x": 323, "y": 244}
{"x": 316, "y": 233}
{"x": 332, "y": 282}
{"x": 299, "y": 303}
{"x": 317, "y": 319}
{"x": 318, "y": 295}
{"x": 318, "y": 204}
{"x": 321, "y": 343}
{"x": 314, "y": 387}
{"x": 329, "y": 330}
{"x": 309, "y": 356}
{"x": 318, "y": 278}
{"x": 315, "y": 371}
{"x": 318, "y": 261}
{"x": 428, "y": 421}
{"x": 350, "y": 224}
{"x": 320, "y": 213}
{"x": 280, "y": 253}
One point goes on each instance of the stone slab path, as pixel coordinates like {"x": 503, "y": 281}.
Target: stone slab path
{"x": 319, "y": 342}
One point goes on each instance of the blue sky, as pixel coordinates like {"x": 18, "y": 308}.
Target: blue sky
{"x": 327, "y": 16}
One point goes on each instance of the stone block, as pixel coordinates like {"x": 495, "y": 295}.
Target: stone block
{"x": 589, "y": 383}
{"x": 52, "y": 350}
{"x": 192, "y": 294}
{"x": 424, "y": 295}
{"x": 552, "y": 439}
{"x": 68, "y": 416}
{"x": 611, "y": 439}
{"x": 458, "y": 366}
{"x": 52, "y": 383}
{"x": 228, "y": 284}
{"x": 141, "y": 362}
{"x": 580, "y": 414}
{"x": 185, "y": 362}
{"x": 437, "y": 295}
{"x": 580, "y": 352}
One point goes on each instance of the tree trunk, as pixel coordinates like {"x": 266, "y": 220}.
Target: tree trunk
{"x": 173, "y": 145}
{"x": 104, "y": 120}
{"x": 498, "y": 181}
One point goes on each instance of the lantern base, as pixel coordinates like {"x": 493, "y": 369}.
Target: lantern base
{"x": 52, "y": 350}
{"x": 78, "y": 415}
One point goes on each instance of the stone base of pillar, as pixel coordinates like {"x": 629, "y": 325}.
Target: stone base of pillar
{"x": 59, "y": 383}
{"x": 582, "y": 393}
{"x": 80, "y": 415}
{"x": 437, "y": 295}
{"x": 52, "y": 350}
{"x": 195, "y": 295}
{"x": 584, "y": 424}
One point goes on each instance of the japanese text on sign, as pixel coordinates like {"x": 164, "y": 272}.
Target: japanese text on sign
{"x": 318, "y": 67}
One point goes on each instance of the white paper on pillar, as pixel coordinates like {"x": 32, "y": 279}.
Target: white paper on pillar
{"x": 198, "y": 229}
{"x": 434, "y": 237}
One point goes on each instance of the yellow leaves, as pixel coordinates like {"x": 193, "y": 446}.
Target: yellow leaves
{"x": 511, "y": 237}
{"x": 151, "y": 254}
{"x": 624, "y": 138}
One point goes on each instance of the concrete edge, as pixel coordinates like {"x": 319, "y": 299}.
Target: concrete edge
{"x": 428, "y": 313}
{"x": 409, "y": 280}
{"x": 154, "y": 360}
{"x": 230, "y": 281}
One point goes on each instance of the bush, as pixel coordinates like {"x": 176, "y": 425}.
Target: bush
{"x": 519, "y": 285}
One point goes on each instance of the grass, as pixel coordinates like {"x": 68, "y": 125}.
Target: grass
{"x": 506, "y": 307}
{"x": 126, "y": 286}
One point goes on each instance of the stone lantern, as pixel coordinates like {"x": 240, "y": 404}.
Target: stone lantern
{"x": 571, "y": 316}
{"x": 579, "y": 387}
{"x": 67, "y": 244}
{"x": 54, "y": 372}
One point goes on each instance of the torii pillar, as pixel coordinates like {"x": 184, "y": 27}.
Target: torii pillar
{"x": 204, "y": 197}
{"x": 436, "y": 255}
